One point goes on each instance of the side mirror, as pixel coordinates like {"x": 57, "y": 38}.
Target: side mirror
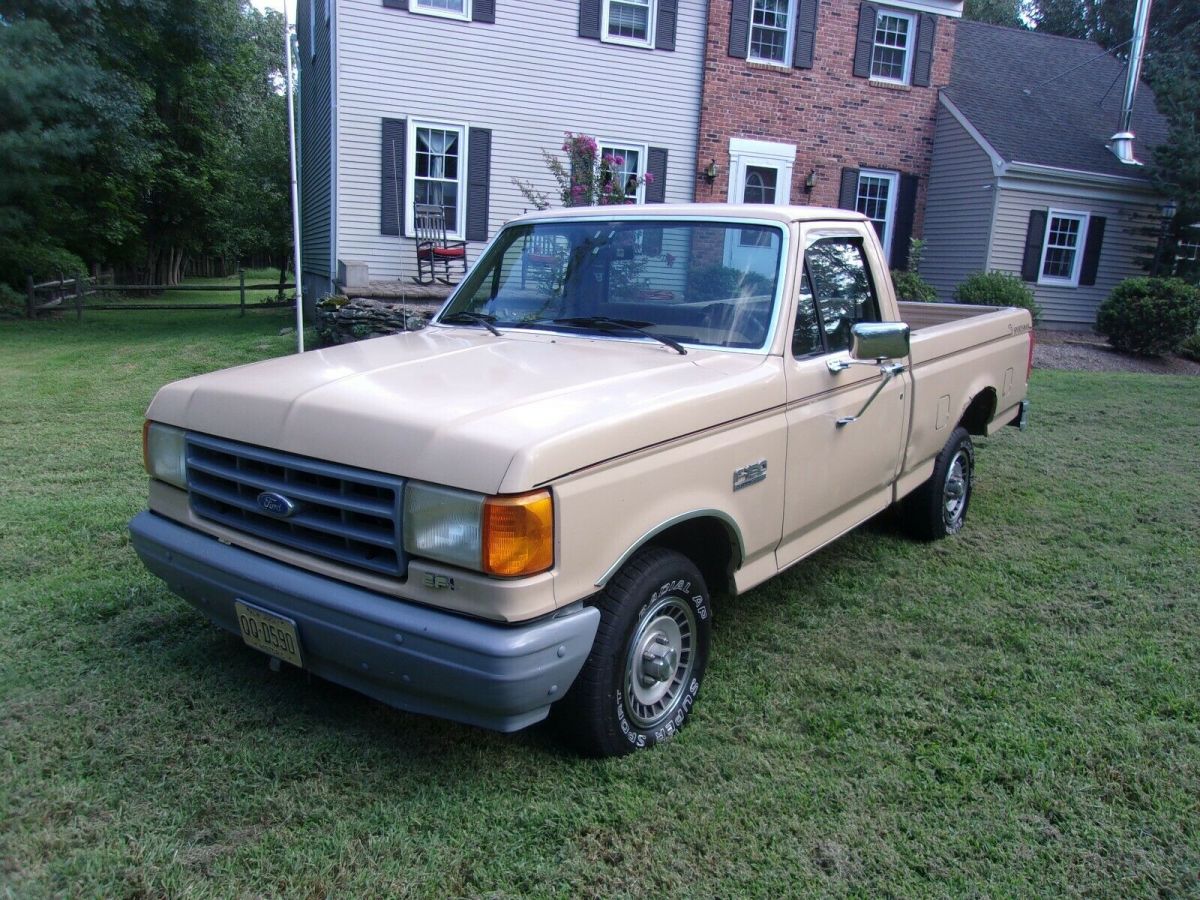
{"x": 879, "y": 340}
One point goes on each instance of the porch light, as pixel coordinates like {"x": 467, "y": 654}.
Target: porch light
{"x": 710, "y": 171}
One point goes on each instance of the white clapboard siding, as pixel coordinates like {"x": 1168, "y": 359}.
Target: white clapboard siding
{"x": 958, "y": 208}
{"x": 1129, "y": 237}
{"x": 528, "y": 78}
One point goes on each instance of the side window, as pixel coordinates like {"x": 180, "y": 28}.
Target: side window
{"x": 806, "y": 334}
{"x": 840, "y": 282}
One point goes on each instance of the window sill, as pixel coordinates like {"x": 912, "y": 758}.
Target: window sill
{"x": 627, "y": 42}
{"x": 439, "y": 14}
{"x": 1045, "y": 281}
{"x": 768, "y": 65}
{"x": 889, "y": 85}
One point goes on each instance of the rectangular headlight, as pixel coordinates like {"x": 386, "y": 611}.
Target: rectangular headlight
{"x": 444, "y": 524}
{"x": 165, "y": 453}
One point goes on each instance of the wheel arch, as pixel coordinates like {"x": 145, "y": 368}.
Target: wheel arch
{"x": 979, "y": 412}
{"x": 710, "y": 538}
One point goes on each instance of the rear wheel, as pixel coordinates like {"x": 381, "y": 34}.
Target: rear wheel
{"x": 641, "y": 679}
{"x": 938, "y": 508}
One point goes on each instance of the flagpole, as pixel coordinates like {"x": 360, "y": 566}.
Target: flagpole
{"x": 291, "y": 114}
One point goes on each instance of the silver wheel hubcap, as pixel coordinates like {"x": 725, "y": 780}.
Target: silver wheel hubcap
{"x": 957, "y": 487}
{"x": 660, "y": 661}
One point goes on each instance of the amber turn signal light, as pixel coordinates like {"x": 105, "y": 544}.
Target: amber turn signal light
{"x": 146, "y": 446}
{"x": 518, "y": 534}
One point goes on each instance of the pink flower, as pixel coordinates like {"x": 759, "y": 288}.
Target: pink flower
{"x": 607, "y": 187}
{"x": 648, "y": 178}
{"x": 618, "y": 160}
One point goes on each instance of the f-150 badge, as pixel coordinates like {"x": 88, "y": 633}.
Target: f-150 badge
{"x": 748, "y": 475}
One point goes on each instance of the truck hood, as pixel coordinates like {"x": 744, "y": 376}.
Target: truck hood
{"x": 462, "y": 407}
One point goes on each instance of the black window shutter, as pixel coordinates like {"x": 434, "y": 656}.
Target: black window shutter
{"x": 479, "y": 176}
{"x": 589, "y": 19}
{"x": 391, "y": 193}
{"x": 483, "y": 11}
{"x": 396, "y": 4}
{"x": 739, "y": 28}
{"x": 1091, "y": 250}
{"x": 664, "y": 25}
{"x": 656, "y": 168}
{"x": 864, "y": 45}
{"x": 923, "y": 62}
{"x": 1031, "y": 264}
{"x": 806, "y": 34}
{"x": 848, "y": 193}
{"x": 902, "y": 225}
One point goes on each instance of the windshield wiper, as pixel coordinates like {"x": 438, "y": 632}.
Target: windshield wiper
{"x": 470, "y": 318}
{"x": 604, "y": 323}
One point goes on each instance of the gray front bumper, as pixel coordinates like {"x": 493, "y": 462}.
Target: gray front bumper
{"x": 408, "y": 656}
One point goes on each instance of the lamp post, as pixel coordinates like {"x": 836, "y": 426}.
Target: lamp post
{"x": 1166, "y": 215}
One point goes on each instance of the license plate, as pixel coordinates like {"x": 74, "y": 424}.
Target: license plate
{"x": 269, "y": 633}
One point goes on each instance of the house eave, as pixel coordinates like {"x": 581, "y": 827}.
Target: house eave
{"x": 976, "y": 135}
{"x": 1017, "y": 170}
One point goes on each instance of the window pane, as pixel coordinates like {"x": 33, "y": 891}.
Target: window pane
{"x": 769, "y": 30}
{"x": 842, "y": 287}
{"x": 1062, "y": 241}
{"x": 874, "y": 199}
{"x": 629, "y": 19}
{"x": 436, "y": 171}
{"x": 451, "y": 5}
{"x": 806, "y": 333}
{"x": 891, "y": 47}
{"x": 760, "y": 184}
{"x": 619, "y": 164}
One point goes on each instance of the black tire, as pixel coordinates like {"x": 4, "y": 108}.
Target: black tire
{"x": 938, "y": 508}
{"x": 624, "y": 700}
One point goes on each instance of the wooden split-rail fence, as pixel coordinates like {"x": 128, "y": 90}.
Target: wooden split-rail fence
{"x": 71, "y": 293}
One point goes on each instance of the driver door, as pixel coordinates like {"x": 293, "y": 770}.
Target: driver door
{"x": 837, "y": 475}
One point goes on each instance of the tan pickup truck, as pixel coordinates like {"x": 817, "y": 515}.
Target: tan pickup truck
{"x": 620, "y": 413}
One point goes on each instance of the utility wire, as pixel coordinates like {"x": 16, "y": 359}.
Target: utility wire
{"x": 1029, "y": 91}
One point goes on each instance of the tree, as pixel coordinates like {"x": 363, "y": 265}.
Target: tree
{"x": 1013, "y": 13}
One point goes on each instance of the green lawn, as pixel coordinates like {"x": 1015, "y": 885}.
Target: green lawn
{"x": 1010, "y": 712}
{"x": 253, "y": 276}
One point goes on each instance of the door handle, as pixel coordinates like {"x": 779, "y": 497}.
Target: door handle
{"x": 888, "y": 371}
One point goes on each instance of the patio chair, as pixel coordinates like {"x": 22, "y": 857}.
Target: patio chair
{"x": 429, "y": 221}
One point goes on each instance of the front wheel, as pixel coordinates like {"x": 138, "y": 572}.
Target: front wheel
{"x": 938, "y": 508}
{"x": 641, "y": 679}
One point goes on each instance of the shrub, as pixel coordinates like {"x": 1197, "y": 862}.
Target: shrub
{"x": 1190, "y": 349}
{"x": 1149, "y": 315}
{"x": 997, "y": 289}
{"x": 909, "y": 285}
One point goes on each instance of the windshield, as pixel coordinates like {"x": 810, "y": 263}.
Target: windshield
{"x": 699, "y": 283}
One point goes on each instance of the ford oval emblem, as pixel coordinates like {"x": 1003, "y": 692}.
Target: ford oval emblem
{"x": 276, "y": 504}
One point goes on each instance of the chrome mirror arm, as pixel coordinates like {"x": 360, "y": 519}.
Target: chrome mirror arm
{"x": 841, "y": 365}
{"x": 888, "y": 371}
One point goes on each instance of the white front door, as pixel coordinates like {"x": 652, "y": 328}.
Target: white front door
{"x": 759, "y": 172}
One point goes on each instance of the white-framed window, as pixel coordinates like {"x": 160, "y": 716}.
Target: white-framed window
{"x": 771, "y": 31}
{"x": 630, "y": 161}
{"x": 876, "y": 199}
{"x": 1062, "y": 248}
{"x": 892, "y": 53}
{"x": 437, "y": 171}
{"x": 451, "y": 9}
{"x": 628, "y": 22}
{"x": 759, "y": 185}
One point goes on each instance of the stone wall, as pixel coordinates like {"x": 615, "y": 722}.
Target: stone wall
{"x": 341, "y": 320}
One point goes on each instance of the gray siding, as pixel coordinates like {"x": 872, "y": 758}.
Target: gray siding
{"x": 316, "y": 176}
{"x": 1128, "y": 236}
{"x": 958, "y": 207}
{"x": 528, "y": 78}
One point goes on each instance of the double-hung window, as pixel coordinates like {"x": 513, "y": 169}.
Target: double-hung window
{"x": 771, "y": 31}
{"x": 892, "y": 53}
{"x": 437, "y": 168}
{"x": 1062, "y": 247}
{"x": 876, "y": 199}
{"x": 628, "y": 22}
{"x": 452, "y": 9}
{"x": 621, "y": 162}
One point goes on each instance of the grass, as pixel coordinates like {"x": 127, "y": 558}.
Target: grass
{"x": 253, "y": 276}
{"x": 1011, "y": 712}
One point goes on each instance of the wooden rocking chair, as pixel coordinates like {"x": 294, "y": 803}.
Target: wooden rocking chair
{"x": 429, "y": 221}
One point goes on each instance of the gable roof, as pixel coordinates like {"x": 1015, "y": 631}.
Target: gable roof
{"x": 1065, "y": 123}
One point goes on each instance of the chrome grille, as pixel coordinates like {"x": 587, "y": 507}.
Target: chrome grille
{"x": 342, "y": 514}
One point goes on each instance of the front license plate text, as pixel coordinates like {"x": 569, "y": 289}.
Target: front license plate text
{"x": 269, "y": 633}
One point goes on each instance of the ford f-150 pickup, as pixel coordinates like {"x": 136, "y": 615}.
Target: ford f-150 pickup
{"x": 620, "y": 413}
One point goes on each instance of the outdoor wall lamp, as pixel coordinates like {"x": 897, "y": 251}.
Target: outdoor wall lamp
{"x": 810, "y": 182}
{"x": 1168, "y": 210}
{"x": 710, "y": 171}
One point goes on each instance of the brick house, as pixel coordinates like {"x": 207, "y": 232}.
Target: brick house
{"x": 826, "y": 102}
